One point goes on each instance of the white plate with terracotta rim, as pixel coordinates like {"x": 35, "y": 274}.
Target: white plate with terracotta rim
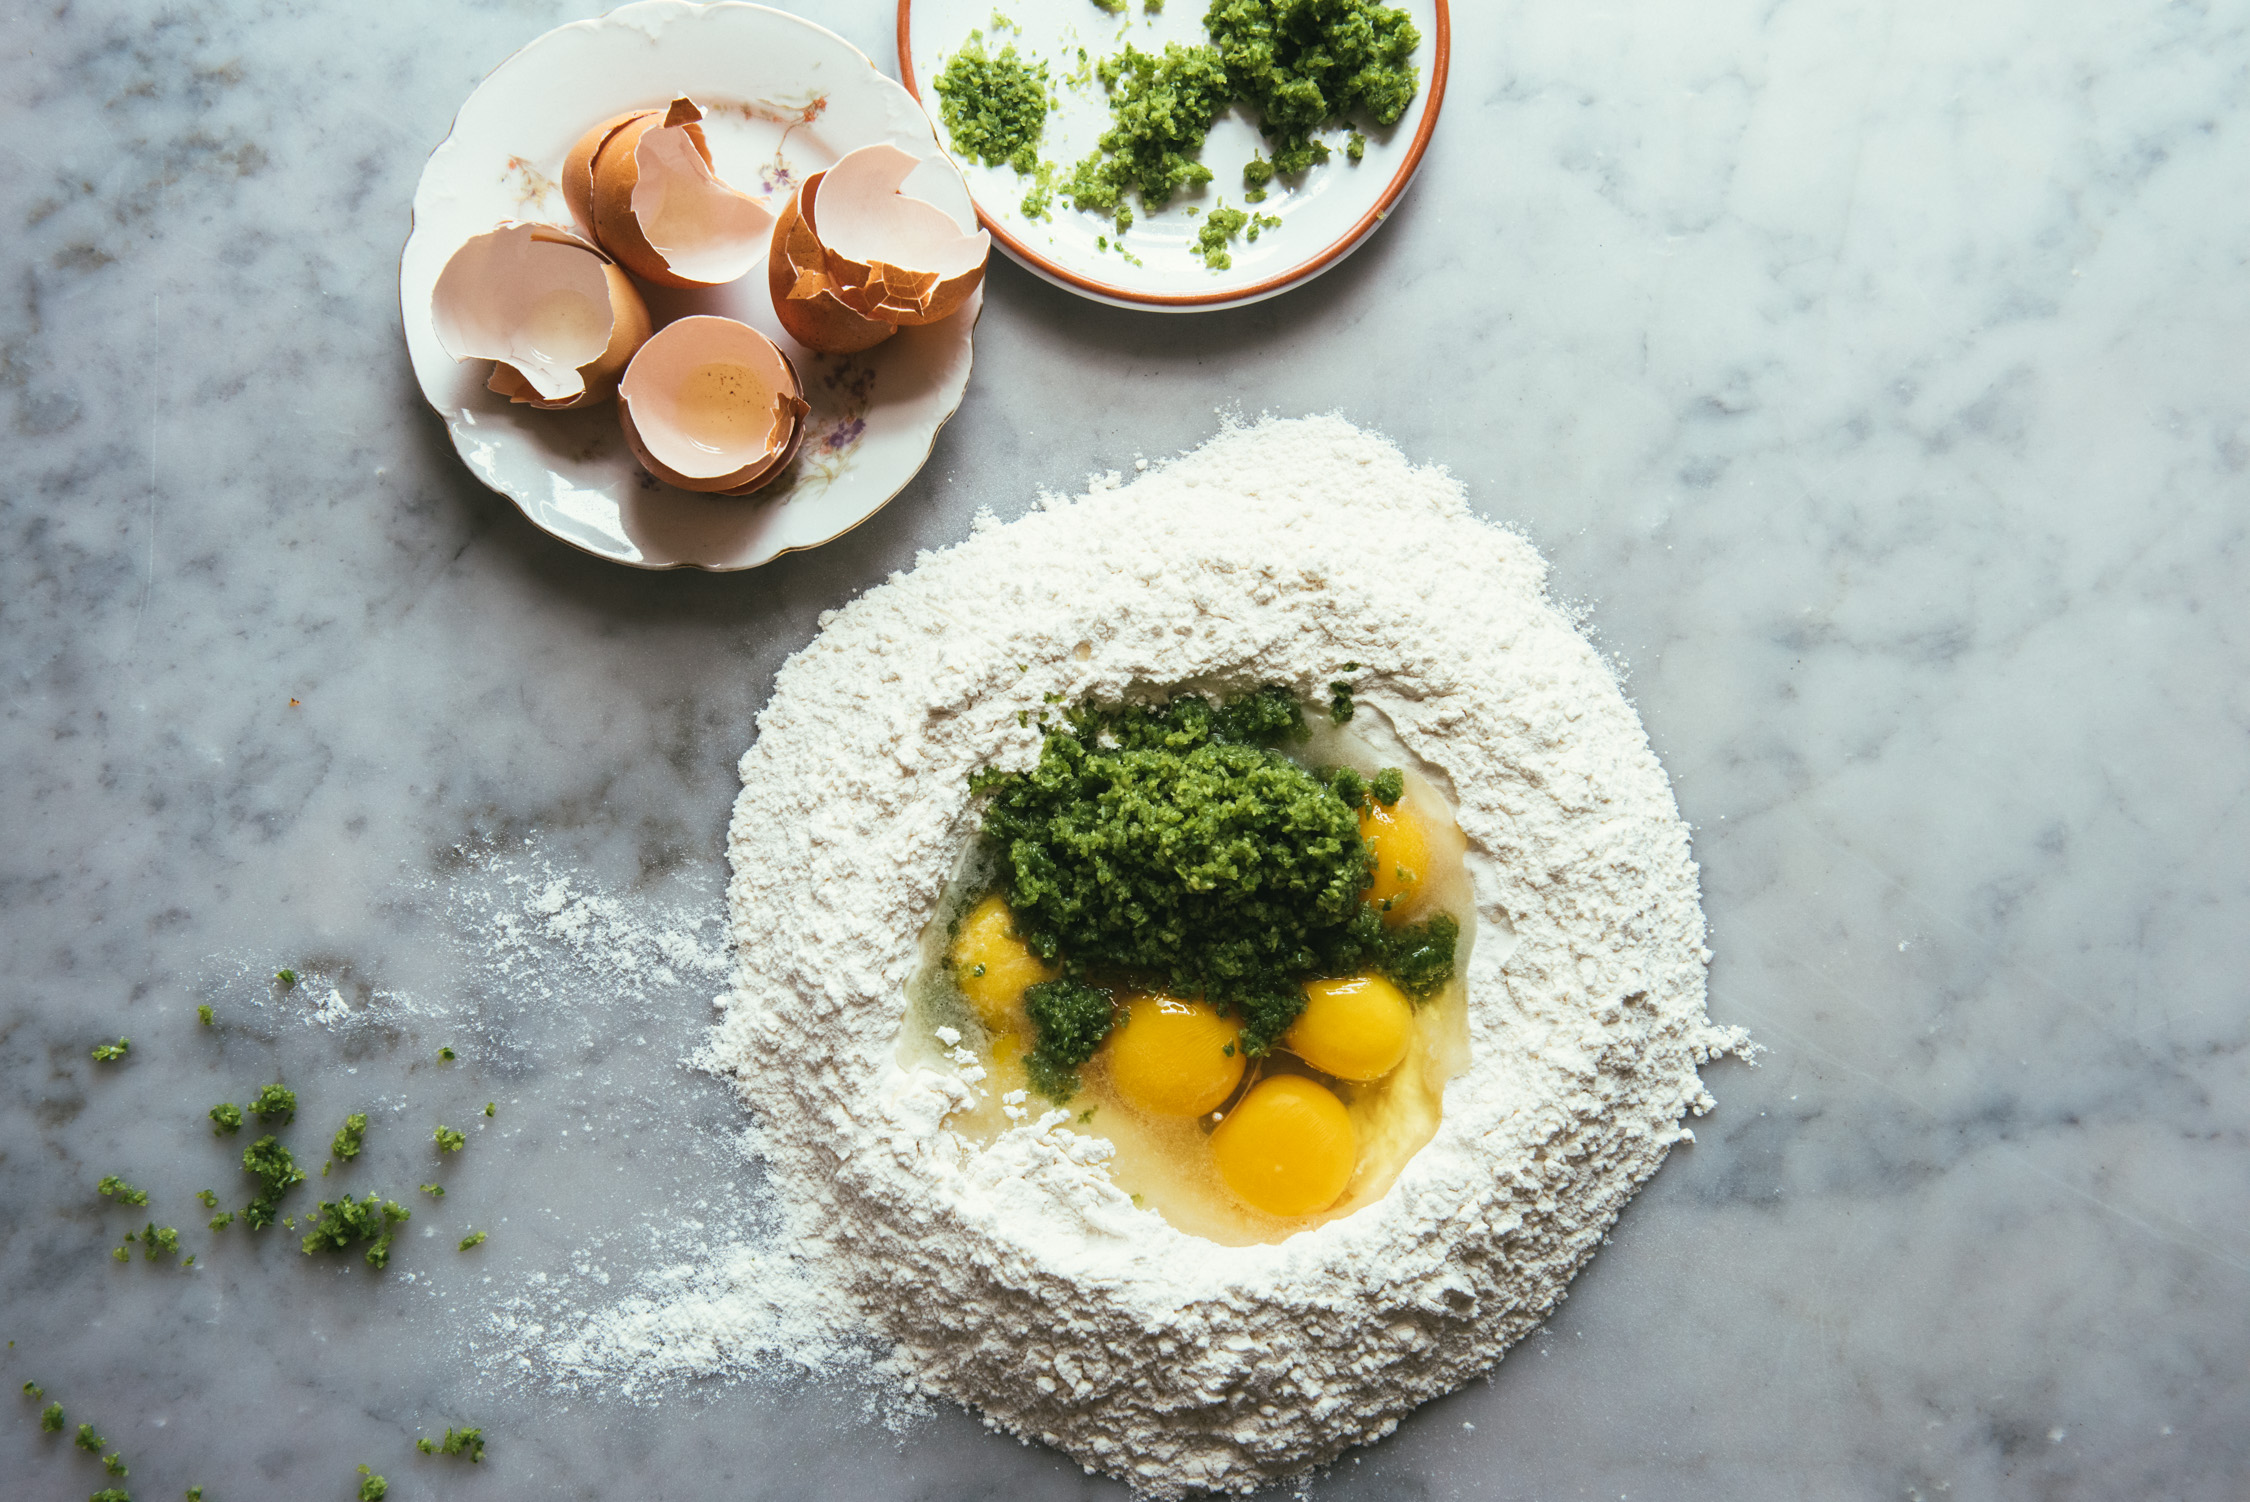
{"x": 1325, "y": 215}
{"x": 782, "y": 99}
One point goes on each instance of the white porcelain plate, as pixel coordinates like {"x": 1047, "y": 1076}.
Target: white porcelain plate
{"x": 1325, "y": 215}
{"x": 782, "y": 99}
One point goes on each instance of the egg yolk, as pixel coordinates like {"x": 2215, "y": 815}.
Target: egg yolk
{"x": 1173, "y": 1058}
{"x": 1288, "y": 1148}
{"x": 993, "y": 967}
{"x": 1354, "y": 1029}
{"x": 1402, "y": 857}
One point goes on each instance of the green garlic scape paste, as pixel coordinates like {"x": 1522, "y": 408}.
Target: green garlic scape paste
{"x": 1176, "y": 845}
{"x": 995, "y": 108}
{"x": 1303, "y": 65}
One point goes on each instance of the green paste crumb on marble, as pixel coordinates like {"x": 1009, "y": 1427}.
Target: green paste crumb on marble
{"x": 276, "y": 1172}
{"x": 350, "y": 1137}
{"x": 274, "y": 1100}
{"x": 469, "y": 1442}
{"x": 347, "y": 1222}
{"x": 995, "y": 108}
{"x": 110, "y": 1053}
{"x": 474, "y": 1238}
{"x": 450, "y": 1141}
{"x": 113, "y": 1187}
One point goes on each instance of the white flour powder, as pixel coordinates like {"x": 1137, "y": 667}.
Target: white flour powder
{"x": 1017, "y": 1278}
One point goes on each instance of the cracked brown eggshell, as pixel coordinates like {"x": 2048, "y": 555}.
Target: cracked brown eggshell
{"x": 891, "y": 257}
{"x": 558, "y": 319}
{"x": 710, "y": 404}
{"x": 804, "y": 296}
{"x": 642, "y": 185}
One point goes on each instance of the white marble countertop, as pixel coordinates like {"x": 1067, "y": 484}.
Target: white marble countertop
{"x": 1874, "y": 375}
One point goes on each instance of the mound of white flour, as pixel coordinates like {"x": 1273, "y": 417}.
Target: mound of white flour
{"x": 1017, "y": 1278}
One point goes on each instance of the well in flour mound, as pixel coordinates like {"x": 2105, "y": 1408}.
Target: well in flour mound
{"x": 1016, "y": 1277}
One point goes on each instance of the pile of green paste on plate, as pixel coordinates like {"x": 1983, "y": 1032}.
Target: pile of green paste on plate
{"x": 1301, "y": 65}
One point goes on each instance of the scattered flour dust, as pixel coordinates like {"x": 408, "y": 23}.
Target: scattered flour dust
{"x": 1017, "y": 1278}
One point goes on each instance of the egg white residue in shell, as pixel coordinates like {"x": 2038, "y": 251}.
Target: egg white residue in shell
{"x": 559, "y": 320}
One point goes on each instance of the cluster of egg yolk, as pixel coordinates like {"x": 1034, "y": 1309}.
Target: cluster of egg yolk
{"x": 1288, "y": 1146}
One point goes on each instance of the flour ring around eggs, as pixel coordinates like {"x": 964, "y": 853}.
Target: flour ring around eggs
{"x": 1015, "y": 1277}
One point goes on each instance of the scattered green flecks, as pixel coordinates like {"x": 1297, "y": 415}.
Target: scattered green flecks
{"x": 110, "y": 1494}
{"x": 450, "y": 1141}
{"x": 113, "y": 1187}
{"x": 490, "y": 1106}
{"x": 203, "y": 1015}
{"x": 1388, "y": 786}
{"x": 350, "y": 1137}
{"x": 110, "y": 1053}
{"x": 90, "y": 1440}
{"x": 469, "y": 1442}
{"x": 222, "y": 1220}
{"x": 34, "y": 1391}
{"x": 228, "y": 1119}
{"x": 346, "y": 1222}
{"x": 114, "y": 1463}
{"x": 446, "y": 1055}
{"x": 434, "y": 1191}
{"x": 285, "y": 978}
{"x": 194, "y": 1494}
{"x": 51, "y": 1419}
{"x": 372, "y": 1488}
{"x": 1355, "y": 146}
{"x": 1340, "y": 706}
{"x": 474, "y": 1238}
{"x": 274, "y": 1100}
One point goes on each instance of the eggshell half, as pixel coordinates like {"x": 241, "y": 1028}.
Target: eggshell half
{"x": 557, "y": 318}
{"x": 727, "y": 436}
{"x": 804, "y": 296}
{"x": 897, "y": 259}
{"x": 654, "y": 203}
